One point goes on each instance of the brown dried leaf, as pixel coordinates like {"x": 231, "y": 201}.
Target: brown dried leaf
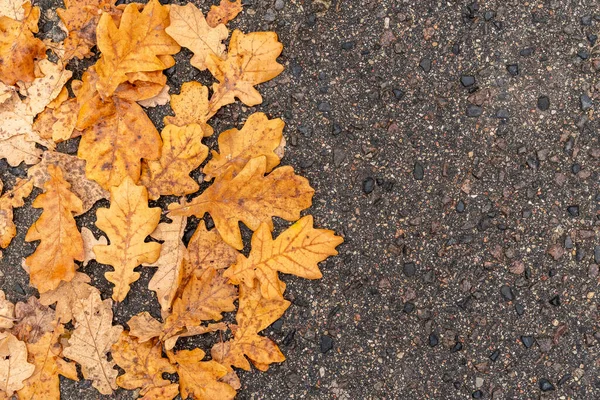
{"x": 252, "y": 198}
{"x": 206, "y": 249}
{"x": 33, "y": 320}
{"x": 7, "y": 312}
{"x": 190, "y": 29}
{"x": 191, "y": 107}
{"x": 160, "y": 99}
{"x": 14, "y": 368}
{"x": 17, "y": 149}
{"x": 60, "y": 241}
{"x": 67, "y": 295}
{"x": 127, "y": 223}
{"x": 224, "y": 12}
{"x": 58, "y": 123}
{"x": 144, "y": 327}
{"x": 9, "y": 200}
{"x": 91, "y": 339}
{"x": 43, "y": 90}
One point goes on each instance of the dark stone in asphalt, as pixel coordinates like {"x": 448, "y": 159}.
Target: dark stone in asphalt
{"x": 502, "y": 113}
{"x": 368, "y": 185}
{"x": 564, "y": 379}
{"x": 409, "y": 269}
{"x": 326, "y": 343}
{"x": 456, "y": 49}
{"x": 555, "y": 301}
{"x": 543, "y": 103}
{"x": 488, "y": 15}
{"x": 597, "y": 254}
{"x": 336, "y": 129}
{"x": 433, "y": 339}
{"x": 495, "y": 354}
{"x": 575, "y": 168}
{"x": 585, "y": 102}
{"x": 527, "y": 341}
{"x": 425, "y": 64}
{"x": 457, "y": 347}
{"x": 545, "y": 385}
{"x": 513, "y": 69}
{"x": 467, "y": 80}
{"x": 507, "y": 293}
{"x": 583, "y": 54}
{"x": 586, "y": 20}
{"x": 324, "y": 106}
{"x": 418, "y": 171}
{"x": 526, "y": 52}
{"x": 460, "y": 207}
{"x": 573, "y": 210}
{"x": 478, "y": 394}
{"x": 398, "y": 94}
{"x": 408, "y": 307}
{"x": 348, "y": 45}
{"x": 520, "y": 309}
{"x": 474, "y": 110}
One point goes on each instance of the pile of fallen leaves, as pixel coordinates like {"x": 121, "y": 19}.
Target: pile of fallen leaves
{"x": 122, "y": 157}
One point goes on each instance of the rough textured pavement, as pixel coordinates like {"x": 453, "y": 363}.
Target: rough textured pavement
{"x": 455, "y": 146}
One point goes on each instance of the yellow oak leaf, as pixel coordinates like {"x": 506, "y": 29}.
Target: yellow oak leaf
{"x": 89, "y": 241}
{"x": 132, "y": 46}
{"x": 167, "y": 277}
{"x": 60, "y": 242}
{"x": 204, "y": 298}
{"x": 46, "y": 356}
{"x": 19, "y": 48}
{"x": 7, "y": 312}
{"x": 259, "y": 137}
{"x": 33, "y": 320}
{"x": 18, "y": 149}
{"x": 252, "y": 198}
{"x": 144, "y": 327}
{"x": 9, "y": 200}
{"x": 14, "y": 368}
{"x": 255, "y": 313}
{"x": 88, "y": 191}
{"x": 200, "y": 379}
{"x": 251, "y": 60}
{"x": 114, "y": 146}
{"x": 127, "y": 223}
{"x": 224, "y": 12}
{"x": 67, "y": 295}
{"x": 144, "y": 366}
{"x": 190, "y": 29}
{"x": 297, "y": 251}
{"x": 191, "y": 107}
{"x": 182, "y": 152}
{"x": 92, "y": 338}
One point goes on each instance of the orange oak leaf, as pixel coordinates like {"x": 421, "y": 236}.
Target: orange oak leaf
{"x": 297, "y": 251}
{"x": 190, "y": 29}
{"x": 92, "y": 338}
{"x": 67, "y": 295}
{"x": 206, "y": 249}
{"x": 159, "y": 99}
{"x": 255, "y": 313}
{"x": 127, "y": 223}
{"x": 58, "y": 124}
{"x": 144, "y": 366}
{"x": 132, "y": 46}
{"x": 182, "y": 152}
{"x": 251, "y": 60}
{"x": 191, "y": 107}
{"x": 204, "y": 298}
{"x": 259, "y": 137}
{"x": 33, "y": 320}
{"x": 252, "y": 198}
{"x": 9, "y": 200}
{"x": 224, "y": 12}
{"x": 7, "y": 312}
{"x": 60, "y": 242}
{"x": 19, "y": 48}
{"x": 200, "y": 379}
{"x": 144, "y": 327}
{"x": 89, "y": 241}
{"x": 14, "y": 368}
{"x": 46, "y": 356}
{"x": 114, "y": 146}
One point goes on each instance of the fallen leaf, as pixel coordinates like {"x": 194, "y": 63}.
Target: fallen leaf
{"x": 14, "y": 368}
{"x": 193, "y": 331}
{"x": 144, "y": 367}
{"x": 12, "y": 9}
{"x": 133, "y": 46}
{"x": 252, "y": 198}
{"x": 258, "y": 137}
{"x": 206, "y": 249}
{"x": 33, "y": 320}
{"x": 58, "y": 124}
{"x": 43, "y": 90}
{"x": 127, "y": 223}
{"x": 200, "y": 379}
{"x": 182, "y": 152}
{"x": 224, "y": 12}
{"x": 17, "y": 149}
{"x": 89, "y": 241}
{"x": 46, "y": 356}
{"x": 91, "y": 339}
{"x": 67, "y": 295}
{"x": 113, "y": 147}
{"x": 60, "y": 241}
{"x": 74, "y": 173}
{"x": 144, "y": 327}
{"x": 191, "y": 107}
{"x": 189, "y": 28}
{"x": 251, "y": 60}
{"x": 9, "y": 200}
{"x": 7, "y": 312}
{"x": 297, "y": 251}
{"x": 160, "y": 99}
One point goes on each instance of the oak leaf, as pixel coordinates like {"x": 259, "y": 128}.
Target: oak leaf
{"x": 144, "y": 366}
{"x": 258, "y": 137}
{"x": 144, "y": 327}
{"x": 33, "y": 320}
{"x": 191, "y": 107}
{"x": 91, "y": 339}
{"x": 7, "y": 312}
{"x": 182, "y": 152}
{"x": 255, "y": 313}
{"x": 13, "y": 9}
{"x": 127, "y": 223}
{"x": 46, "y": 356}
{"x": 114, "y": 146}
{"x": 200, "y": 379}
{"x": 252, "y": 198}
{"x": 60, "y": 242}
{"x": 204, "y": 298}
{"x": 297, "y": 251}
{"x": 251, "y": 60}
{"x": 17, "y": 149}
{"x": 9, "y": 200}
{"x": 133, "y": 46}
{"x": 159, "y": 99}
{"x": 88, "y": 191}
{"x": 206, "y": 249}
{"x": 58, "y": 124}
{"x": 224, "y": 12}
{"x": 14, "y": 368}
{"x": 67, "y": 295}
{"x": 89, "y": 241}
{"x": 190, "y": 29}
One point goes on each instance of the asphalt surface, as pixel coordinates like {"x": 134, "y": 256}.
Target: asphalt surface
{"x": 470, "y": 207}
